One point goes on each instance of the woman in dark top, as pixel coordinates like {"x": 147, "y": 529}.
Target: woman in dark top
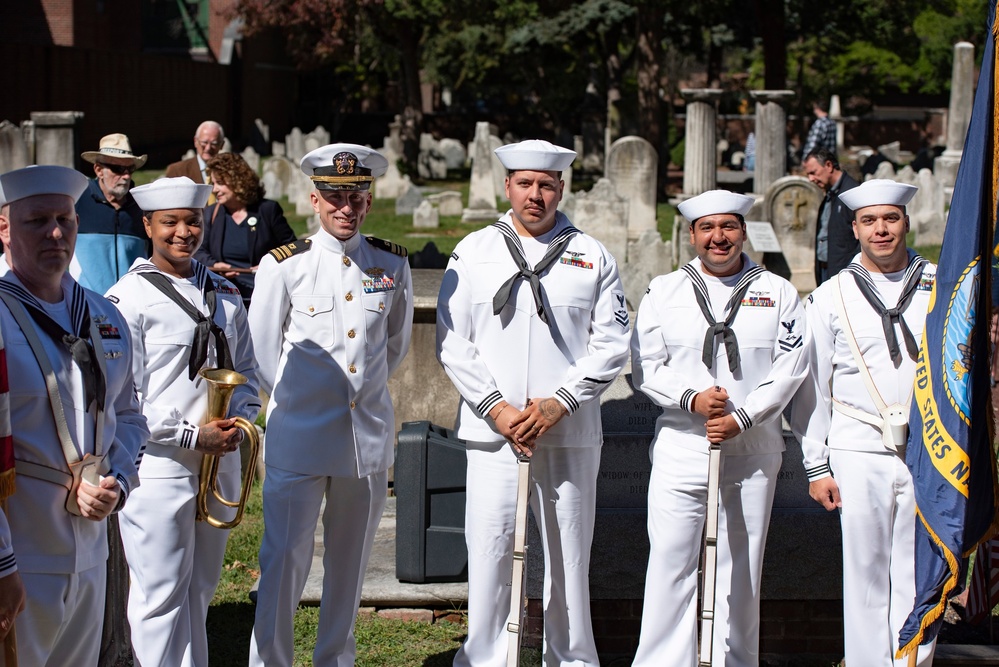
{"x": 242, "y": 226}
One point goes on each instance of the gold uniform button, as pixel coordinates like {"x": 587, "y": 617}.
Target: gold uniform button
{"x": 352, "y": 368}
{"x": 311, "y": 309}
{"x": 346, "y": 261}
{"x": 351, "y": 334}
{"x": 349, "y": 297}
{"x": 381, "y": 306}
{"x": 353, "y": 405}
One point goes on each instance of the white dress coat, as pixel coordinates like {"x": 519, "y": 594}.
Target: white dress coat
{"x": 667, "y": 365}
{"x": 514, "y": 356}
{"x": 59, "y": 553}
{"x": 175, "y": 561}
{"x": 878, "y": 504}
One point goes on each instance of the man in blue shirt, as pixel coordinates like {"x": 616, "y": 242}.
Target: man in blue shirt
{"x": 111, "y": 235}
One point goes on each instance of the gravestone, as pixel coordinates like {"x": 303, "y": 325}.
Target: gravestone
{"x": 294, "y": 145}
{"x": 391, "y": 184}
{"x": 792, "y": 208}
{"x": 884, "y": 170}
{"x": 430, "y": 164}
{"x": 499, "y": 171}
{"x": 278, "y": 174}
{"x": 57, "y": 137}
{"x": 603, "y": 214}
{"x": 394, "y": 140}
{"x": 278, "y": 149}
{"x": 299, "y": 192}
{"x": 252, "y": 158}
{"x": 13, "y": 149}
{"x": 453, "y": 152}
{"x": 425, "y": 216}
{"x": 482, "y": 189}
{"x": 926, "y": 210}
{"x": 448, "y": 202}
{"x": 407, "y": 203}
{"x": 891, "y": 150}
{"x": 648, "y": 257}
{"x": 962, "y": 95}
{"x": 632, "y": 164}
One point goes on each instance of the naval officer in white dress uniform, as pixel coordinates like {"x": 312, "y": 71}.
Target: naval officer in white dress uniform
{"x": 75, "y": 439}
{"x": 331, "y": 321}
{"x": 182, "y": 318}
{"x": 531, "y": 328}
{"x": 720, "y": 346}
{"x": 867, "y": 323}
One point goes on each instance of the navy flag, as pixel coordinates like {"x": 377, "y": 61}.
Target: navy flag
{"x": 950, "y": 451}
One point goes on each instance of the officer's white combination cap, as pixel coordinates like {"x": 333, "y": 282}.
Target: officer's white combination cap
{"x": 41, "y": 180}
{"x": 535, "y": 155}
{"x": 878, "y": 192}
{"x": 170, "y": 193}
{"x": 349, "y": 167}
{"x": 715, "y": 202}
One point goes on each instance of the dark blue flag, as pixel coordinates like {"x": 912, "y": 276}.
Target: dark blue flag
{"x": 950, "y": 451}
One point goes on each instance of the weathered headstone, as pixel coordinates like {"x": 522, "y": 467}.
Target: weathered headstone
{"x": 394, "y": 139}
{"x": 410, "y": 199}
{"x": 453, "y": 152}
{"x": 13, "y": 149}
{"x": 391, "y": 185}
{"x": 699, "y": 164}
{"x": 792, "y": 208}
{"x": 425, "y": 216}
{"x": 431, "y": 164}
{"x": 771, "y": 136}
{"x": 278, "y": 149}
{"x": 499, "y": 171}
{"x": 447, "y": 202}
{"x": 926, "y": 210}
{"x": 252, "y": 158}
{"x": 648, "y": 257}
{"x": 885, "y": 170}
{"x": 482, "y": 190}
{"x": 603, "y": 214}
{"x": 57, "y": 137}
{"x": 632, "y": 165}
{"x": 891, "y": 150}
{"x": 281, "y": 171}
{"x": 294, "y": 144}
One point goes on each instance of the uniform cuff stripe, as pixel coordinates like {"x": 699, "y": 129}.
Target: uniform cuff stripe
{"x": 568, "y": 399}
{"x": 488, "y": 403}
{"x": 743, "y": 419}
{"x": 818, "y": 471}
{"x": 687, "y": 400}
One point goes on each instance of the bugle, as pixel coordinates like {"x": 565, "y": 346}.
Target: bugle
{"x": 221, "y": 383}
{"x": 518, "y": 582}
{"x": 710, "y": 564}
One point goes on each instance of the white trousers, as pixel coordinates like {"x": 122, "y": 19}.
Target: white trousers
{"x": 879, "y": 528}
{"x": 563, "y": 499}
{"x": 291, "y": 511}
{"x": 62, "y": 622}
{"x": 678, "y": 492}
{"x": 174, "y": 564}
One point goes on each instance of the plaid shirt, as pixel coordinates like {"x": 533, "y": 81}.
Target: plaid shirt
{"x": 822, "y": 134}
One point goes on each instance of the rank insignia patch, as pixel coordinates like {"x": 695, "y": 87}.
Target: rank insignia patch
{"x": 573, "y": 259}
{"x": 108, "y": 332}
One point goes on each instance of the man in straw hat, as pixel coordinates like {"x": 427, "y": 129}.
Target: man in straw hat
{"x": 851, "y": 417}
{"x": 331, "y": 321}
{"x": 532, "y": 327}
{"x": 75, "y": 418}
{"x": 720, "y": 345}
{"x": 182, "y": 318}
{"x": 111, "y": 234}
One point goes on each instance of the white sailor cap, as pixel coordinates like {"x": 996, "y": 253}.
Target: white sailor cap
{"x": 170, "y": 193}
{"x": 715, "y": 202}
{"x": 878, "y": 192}
{"x": 344, "y": 167}
{"x": 535, "y": 155}
{"x": 41, "y": 180}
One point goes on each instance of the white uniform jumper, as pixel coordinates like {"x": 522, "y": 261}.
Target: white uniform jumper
{"x": 760, "y": 368}
{"x": 515, "y": 356}
{"x": 878, "y": 513}
{"x": 61, "y": 557}
{"x": 331, "y": 321}
{"x": 175, "y": 561}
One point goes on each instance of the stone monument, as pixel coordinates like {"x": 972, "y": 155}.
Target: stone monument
{"x": 771, "y": 136}
{"x": 603, "y": 214}
{"x": 57, "y": 137}
{"x": 482, "y": 190}
{"x": 632, "y": 165}
{"x": 699, "y": 165}
{"x": 792, "y": 204}
{"x": 962, "y": 94}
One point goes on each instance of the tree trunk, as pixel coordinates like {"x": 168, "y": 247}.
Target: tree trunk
{"x": 770, "y": 14}
{"x": 650, "y": 82}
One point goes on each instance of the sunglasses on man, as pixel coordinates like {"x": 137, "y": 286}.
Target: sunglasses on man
{"x": 119, "y": 169}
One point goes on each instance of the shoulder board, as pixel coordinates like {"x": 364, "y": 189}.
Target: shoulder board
{"x": 387, "y": 246}
{"x": 293, "y": 248}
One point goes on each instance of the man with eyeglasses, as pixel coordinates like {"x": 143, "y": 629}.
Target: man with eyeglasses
{"x": 330, "y": 321}
{"x": 111, "y": 235}
{"x": 208, "y": 141}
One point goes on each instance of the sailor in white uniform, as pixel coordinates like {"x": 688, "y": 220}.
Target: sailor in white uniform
{"x": 531, "y": 328}
{"x": 720, "y": 346}
{"x": 851, "y": 415}
{"x": 76, "y": 438}
{"x": 331, "y": 321}
{"x": 182, "y": 318}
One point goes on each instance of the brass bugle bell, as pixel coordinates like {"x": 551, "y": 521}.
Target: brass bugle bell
{"x": 221, "y": 383}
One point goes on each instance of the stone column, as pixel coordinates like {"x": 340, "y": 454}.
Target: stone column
{"x": 836, "y": 113}
{"x": 771, "y": 136}
{"x": 962, "y": 94}
{"x": 700, "y": 136}
{"x": 57, "y": 138}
